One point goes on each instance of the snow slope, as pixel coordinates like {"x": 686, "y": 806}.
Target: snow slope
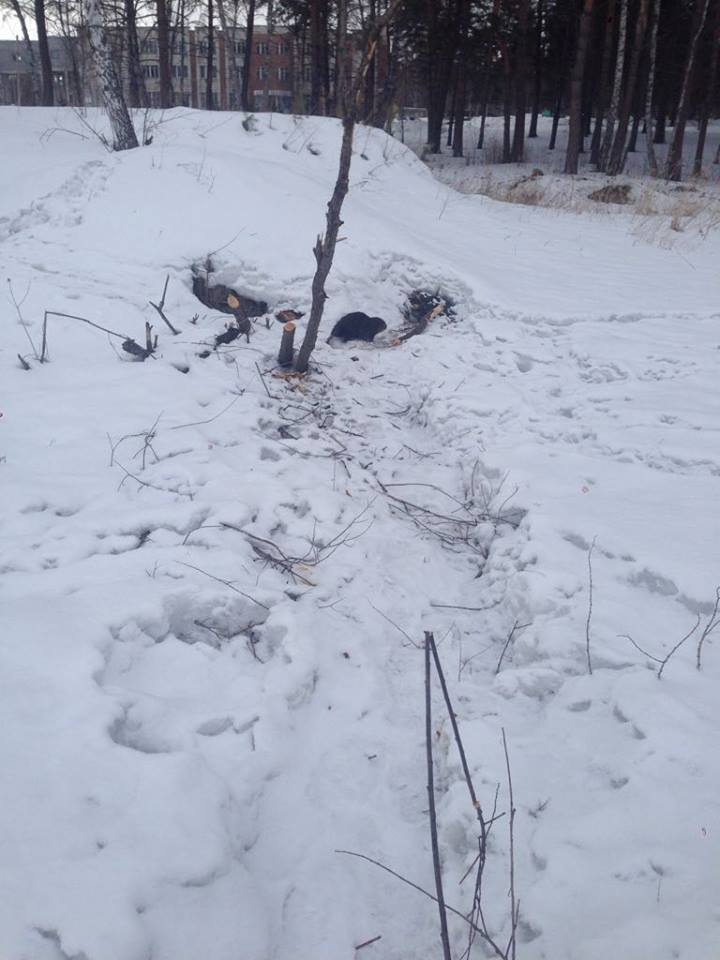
{"x": 190, "y": 732}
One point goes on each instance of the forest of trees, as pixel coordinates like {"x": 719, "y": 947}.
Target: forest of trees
{"x": 614, "y": 67}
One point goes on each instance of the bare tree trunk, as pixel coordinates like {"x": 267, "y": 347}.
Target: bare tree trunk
{"x": 18, "y": 11}
{"x": 249, "y": 30}
{"x": 618, "y": 152}
{"x": 709, "y": 91}
{"x": 518, "y": 144}
{"x": 210, "y": 57}
{"x": 48, "y": 89}
{"x": 163, "y": 32}
{"x": 459, "y": 117}
{"x": 136, "y": 81}
{"x": 617, "y": 87}
{"x": 124, "y": 137}
{"x": 324, "y": 249}
{"x": 317, "y": 42}
{"x": 652, "y": 55}
{"x": 604, "y": 79}
{"x": 235, "y": 78}
{"x": 537, "y": 90}
{"x": 576, "y": 84}
{"x": 673, "y": 165}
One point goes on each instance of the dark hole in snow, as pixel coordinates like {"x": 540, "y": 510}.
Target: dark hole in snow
{"x": 358, "y": 326}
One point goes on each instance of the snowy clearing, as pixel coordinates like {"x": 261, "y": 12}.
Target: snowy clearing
{"x": 192, "y": 723}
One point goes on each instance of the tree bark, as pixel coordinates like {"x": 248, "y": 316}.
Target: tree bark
{"x": 124, "y": 137}
{"x": 518, "y": 144}
{"x": 18, "y": 11}
{"x": 537, "y": 89}
{"x": 709, "y": 92}
{"x": 229, "y": 36}
{"x": 318, "y": 40}
{"x": 604, "y": 79}
{"x": 48, "y": 88}
{"x": 136, "y": 81}
{"x": 673, "y": 166}
{"x": 616, "y": 161}
{"x": 249, "y": 30}
{"x": 210, "y": 57}
{"x": 163, "y": 30}
{"x": 607, "y": 141}
{"x": 576, "y": 84}
{"x": 652, "y": 58}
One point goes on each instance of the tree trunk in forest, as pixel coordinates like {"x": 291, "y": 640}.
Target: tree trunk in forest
{"x": 673, "y": 166}
{"x": 537, "y": 89}
{"x": 209, "y": 105}
{"x": 555, "y": 122}
{"x": 652, "y": 58}
{"x": 136, "y": 81}
{"x": 318, "y": 41}
{"x": 507, "y": 113}
{"x": 607, "y": 140}
{"x": 163, "y": 34}
{"x": 632, "y": 142}
{"x": 249, "y": 30}
{"x": 18, "y": 11}
{"x": 707, "y": 103}
{"x": 596, "y": 141}
{"x": 235, "y": 92}
{"x": 459, "y": 113}
{"x": 48, "y": 87}
{"x": 520, "y": 72}
{"x": 576, "y": 85}
{"x": 616, "y": 161}
{"x": 124, "y": 137}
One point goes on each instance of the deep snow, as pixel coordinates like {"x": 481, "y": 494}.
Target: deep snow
{"x": 183, "y": 755}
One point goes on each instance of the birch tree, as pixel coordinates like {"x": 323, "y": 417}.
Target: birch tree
{"x": 123, "y": 132}
{"x": 617, "y": 87}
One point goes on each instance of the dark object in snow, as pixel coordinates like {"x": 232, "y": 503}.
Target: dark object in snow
{"x": 612, "y": 193}
{"x": 358, "y": 326}
{"x": 130, "y": 346}
{"x": 219, "y": 297}
{"x": 204, "y": 354}
{"x": 421, "y": 303}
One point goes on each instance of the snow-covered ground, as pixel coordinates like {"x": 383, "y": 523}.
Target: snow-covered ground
{"x": 655, "y": 209}
{"x": 188, "y": 731}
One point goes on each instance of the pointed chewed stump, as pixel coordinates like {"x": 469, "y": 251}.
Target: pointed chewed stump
{"x": 358, "y": 326}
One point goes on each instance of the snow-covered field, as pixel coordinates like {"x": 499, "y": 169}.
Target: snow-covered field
{"x": 190, "y": 732}
{"x": 658, "y": 210}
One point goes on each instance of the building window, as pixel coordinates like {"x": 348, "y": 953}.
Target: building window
{"x": 149, "y": 46}
{"x": 283, "y": 73}
{"x": 239, "y": 46}
{"x": 262, "y": 49}
{"x": 282, "y": 49}
{"x": 180, "y": 70}
{"x": 263, "y": 73}
{"x": 151, "y": 70}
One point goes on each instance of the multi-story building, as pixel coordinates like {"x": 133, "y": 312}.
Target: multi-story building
{"x": 19, "y": 84}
